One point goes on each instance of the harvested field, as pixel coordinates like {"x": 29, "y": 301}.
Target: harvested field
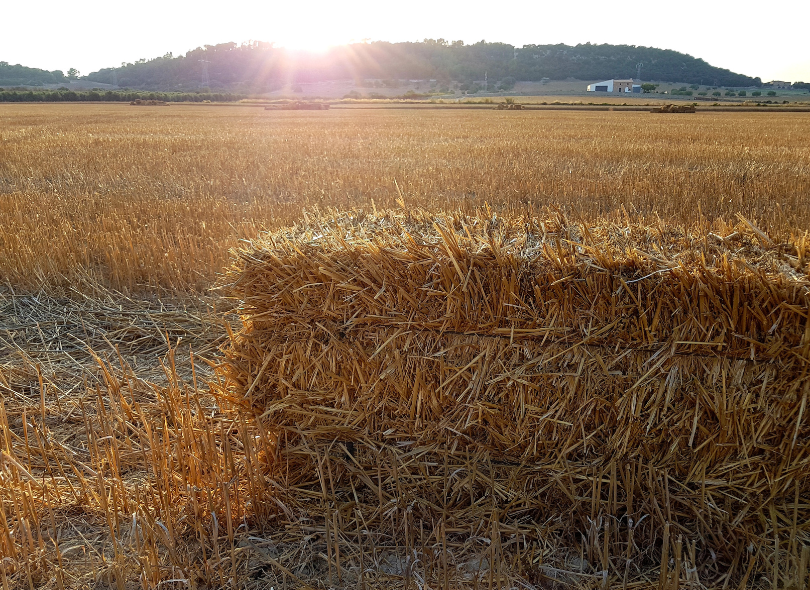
{"x": 153, "y": 199}
{"x": 472, "y": 348}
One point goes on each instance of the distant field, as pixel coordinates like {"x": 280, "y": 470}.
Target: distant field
{"x": 551, "y": 90}
{"x": 152, "y": 198}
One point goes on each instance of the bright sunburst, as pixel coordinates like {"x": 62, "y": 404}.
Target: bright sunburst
{"x": 314, "y": 40}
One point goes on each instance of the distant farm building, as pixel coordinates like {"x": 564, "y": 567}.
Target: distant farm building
{"x": 615, "y": 86}
{"x": 780, "y": 84}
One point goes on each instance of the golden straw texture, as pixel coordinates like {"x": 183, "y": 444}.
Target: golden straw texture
{"x": 629, "y": 393}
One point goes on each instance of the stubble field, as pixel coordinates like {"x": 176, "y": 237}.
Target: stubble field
{"x": 152, "y": 199}
{"x": 124, "y": 461}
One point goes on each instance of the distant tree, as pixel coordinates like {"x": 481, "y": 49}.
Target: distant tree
{"x": 716, "y": 93}
{"x": 648, "y": 88}
{"x": 741, "y": 93}
{"x": 771, "y": 93}
{"x": 756, "y": 93}
{"x": 17, "y": 76}
{"x": 73, "y": 74}
{"x": 695, "y": 86}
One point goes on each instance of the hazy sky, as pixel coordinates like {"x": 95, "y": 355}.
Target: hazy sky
{"x": 757, "y": 39}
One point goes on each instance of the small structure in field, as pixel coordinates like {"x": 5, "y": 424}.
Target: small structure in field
{"x": 616, "y": 86}
{"x": 149, "y": 103}
{"x": 300, "y": 106}
{"x": 509, "y": 106}
{"x": 673, "y": 108}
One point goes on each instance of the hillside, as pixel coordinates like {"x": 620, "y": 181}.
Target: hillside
{"x": 261, "y": 66}
{"x": 18, "y": 75}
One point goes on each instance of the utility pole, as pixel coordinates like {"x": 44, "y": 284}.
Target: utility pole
{"x": 206, "y": 81}
{"x": 638, "y": 70}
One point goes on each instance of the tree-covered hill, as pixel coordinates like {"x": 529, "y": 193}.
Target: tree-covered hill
{"x": 260, "y": 65}
{"x": 18, "y": 75}
{"x": 603, "y": 62}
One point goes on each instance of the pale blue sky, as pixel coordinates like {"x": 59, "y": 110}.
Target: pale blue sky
{"x": 746, "y": 37}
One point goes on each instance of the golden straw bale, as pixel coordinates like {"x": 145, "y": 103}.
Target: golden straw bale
{"x": 548, "y": 379}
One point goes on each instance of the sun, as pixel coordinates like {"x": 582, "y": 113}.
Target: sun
{"x": 312, "y": 41}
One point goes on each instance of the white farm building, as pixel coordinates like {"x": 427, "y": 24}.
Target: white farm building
{"x": 615, "y": 86}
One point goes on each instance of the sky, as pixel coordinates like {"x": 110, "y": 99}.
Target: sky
{"x": 755, "y": 39}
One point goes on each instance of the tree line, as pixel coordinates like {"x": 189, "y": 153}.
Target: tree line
{"x": 17, "y": 75}
{"x": 258, "y": 66}
{"x": 66, "y": 95}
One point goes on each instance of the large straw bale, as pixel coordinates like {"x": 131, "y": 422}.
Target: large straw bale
{"x": 630, "y": 391}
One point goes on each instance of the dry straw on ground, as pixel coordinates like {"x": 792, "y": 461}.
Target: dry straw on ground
{"x": 123, "y": 469}
{"x": 112, "y": 480}
{"x": 623, "y": 402}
